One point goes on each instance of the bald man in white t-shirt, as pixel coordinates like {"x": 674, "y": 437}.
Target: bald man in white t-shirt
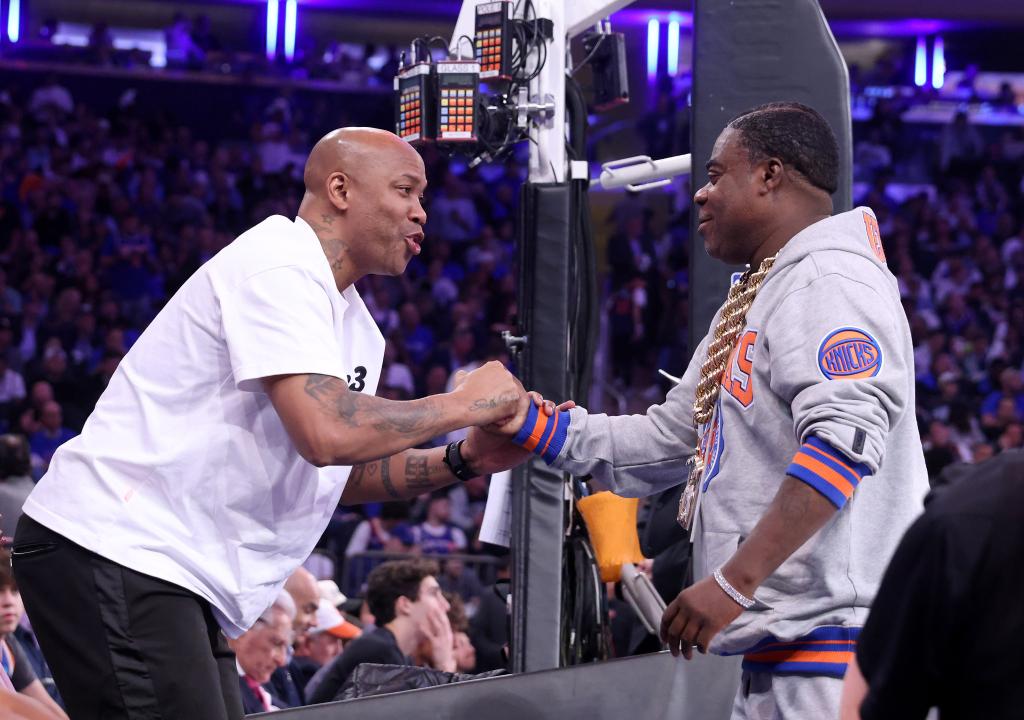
{"x": 229, "y": 433}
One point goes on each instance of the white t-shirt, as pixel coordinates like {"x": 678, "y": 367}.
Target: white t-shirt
{"x": 184, "y": 471}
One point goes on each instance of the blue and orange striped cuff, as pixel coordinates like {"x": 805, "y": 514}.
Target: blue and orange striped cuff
{"x": 542, "y": 434}
{"x": 827, "y": 470}
{"x": 823, "y": 651}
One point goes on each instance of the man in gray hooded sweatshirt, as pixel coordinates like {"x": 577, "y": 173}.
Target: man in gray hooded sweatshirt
{"x": 793, "y": 427}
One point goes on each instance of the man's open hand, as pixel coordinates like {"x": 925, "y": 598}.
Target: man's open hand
{"x": 696, "y": 615}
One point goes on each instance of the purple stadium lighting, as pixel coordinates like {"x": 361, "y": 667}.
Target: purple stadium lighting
{"x": 653, "y": 38}
{"x": 673, "y": 46}
{"x": 14, "y": 21}
{"x": 272, "y": 13}
{"x": 921, "y": 62}
{"x": 290, "y": 11}
{"x": 938, "y": 63}
{"x": 904, "y": 27}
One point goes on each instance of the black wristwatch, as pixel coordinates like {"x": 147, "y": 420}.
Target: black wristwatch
{"x": 458, "y": 466}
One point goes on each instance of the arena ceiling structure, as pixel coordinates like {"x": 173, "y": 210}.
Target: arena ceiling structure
{"x": 997, "y": 11}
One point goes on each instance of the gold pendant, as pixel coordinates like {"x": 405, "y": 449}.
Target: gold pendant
{"x": 691, "y": 493}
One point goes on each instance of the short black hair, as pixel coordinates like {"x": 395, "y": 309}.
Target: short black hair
{"x": 395, "y": 579}
{"x": 796, "y": 134}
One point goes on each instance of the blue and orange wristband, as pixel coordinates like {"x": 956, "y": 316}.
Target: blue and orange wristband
{"x": 542, "y": 434}
{"x": 827, "y": 470}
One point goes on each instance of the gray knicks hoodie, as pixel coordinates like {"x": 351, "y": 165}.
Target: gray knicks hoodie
{"x": 820, "y": 386}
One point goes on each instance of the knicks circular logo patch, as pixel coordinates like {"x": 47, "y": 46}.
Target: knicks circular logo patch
{"x": 849, "y": 353}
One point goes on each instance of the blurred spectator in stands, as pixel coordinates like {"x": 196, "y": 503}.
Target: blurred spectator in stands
{"x": 56, "y": 372}
{"x": 262, "y": 650}
{"x": 444, "y": 291}
{"x": 14, "y": 661}
{"x": 461, "y": 581}
{"x": 966, "y": 87}
{"x": 12, "y": 384}
{"x": 437, "y": 535}
{"x": 1012, "y": 437}
{"x": 626, "y": 308}
{"x": 202, "y": 34}
{"x": 939, "y": 449}
{"x": 1006, "y": 99}
{"x": 31, "y": 315}
{"x": 182, "y": 51}
{"x": 51, "y": 100}
{"x": 101, "y": 44}
{"x": 301, "y": 585}
{"x": 1006, "y": 404}
{"x": 375, "y": 533}
{"x": 15, "y": 482}
{"x": 275, "y": 153}
{"x": 965, "y": 430}
{"x": 408, "y": 606}
{"x": 93, "y": 384}
{"x": 396, "y": 373}
{"x": 8, "y": 349}
{"x": 961, "y": 146}
{"x": 453, "y": 214}
{"x": 436, "y": 380}
{"x": 48, "y": 29}
{"x": 871, "y": 156}
{"x": 980, "y": 452}
{"x": 10, "y": 299}
{"x": 50, "y": 435}
{"x": 321, "y": 644}
{"x": 468, "y": 500}
{"x": 465, "y": 653}
{"x": 29, "y": 412}
{"x": 662, "y": 129}
{"x": 631, "y": 252}
{"x": 418, "y": 337}
{"x": 488, "y": 629}
{"x": 462, "y": 353}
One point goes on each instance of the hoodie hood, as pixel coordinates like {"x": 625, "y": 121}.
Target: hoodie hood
{"x": 855, "y": 232}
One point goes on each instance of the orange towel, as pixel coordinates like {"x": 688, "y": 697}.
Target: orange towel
{"x": 611, "y": 522}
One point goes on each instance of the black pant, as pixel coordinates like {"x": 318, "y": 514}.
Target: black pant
{"x": 122, "y": 645}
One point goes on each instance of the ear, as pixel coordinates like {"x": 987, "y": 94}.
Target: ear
{"x": 339, "y": 185}
{"x": 402, "y": 606}
{"x": 771, "y": 174}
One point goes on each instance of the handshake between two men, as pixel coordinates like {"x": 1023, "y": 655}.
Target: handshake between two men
{"x": 332, "y": 424}
{"x": 512, "y": 423}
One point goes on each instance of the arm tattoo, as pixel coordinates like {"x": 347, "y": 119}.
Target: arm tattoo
{"x": 492, "y": 403}
{"x": 416, "y": 469}
{"x": 421, "y": 476}
{"x": 385, "y": 478}
{"x": 417, "y": 474}
{"x": 355, "y": 478}
{"x": 362, "y": 472}
{"x": 319, "y": 386}
{"x": 355, "y": 409}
